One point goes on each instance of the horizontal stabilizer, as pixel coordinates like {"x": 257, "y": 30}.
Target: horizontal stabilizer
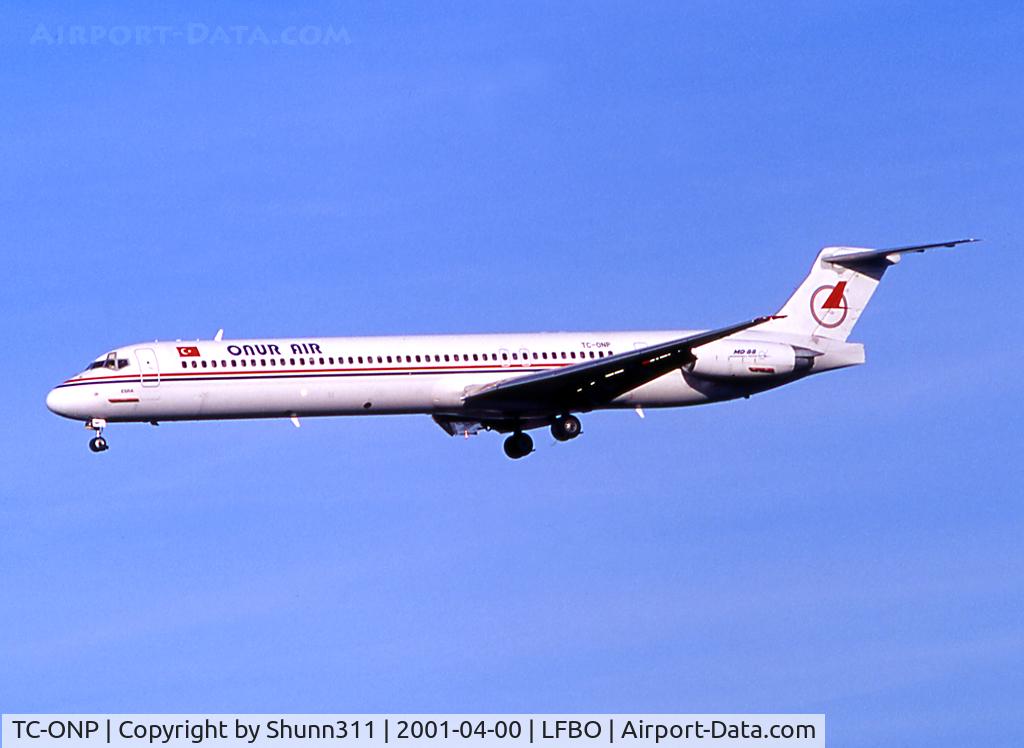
{"x": 855, "y": 255}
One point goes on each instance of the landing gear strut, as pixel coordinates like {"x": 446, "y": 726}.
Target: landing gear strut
{"x": 518, "y": 445}
{"x": 97, "y": 443}
{"x": 565, "y": 428}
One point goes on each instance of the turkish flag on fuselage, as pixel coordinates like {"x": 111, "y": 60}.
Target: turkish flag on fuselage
{"x": 188, "y": 350}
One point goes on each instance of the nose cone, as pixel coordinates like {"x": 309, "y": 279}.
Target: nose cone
{"x": 62, "y": 401}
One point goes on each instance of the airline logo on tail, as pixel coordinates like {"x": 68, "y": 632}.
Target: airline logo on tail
{"x": 829, "y": 306}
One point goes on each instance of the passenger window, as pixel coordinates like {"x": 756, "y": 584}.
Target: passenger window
{"x": 456, "y": 356}
{"x": 263, "y": 362}
{"x": 544, "y": 355}
{"x": 195, "y": 365}
{"x": 408, "y": 359}
{"x": 476, "y": 357}
{"x": 213, "y": 364}
{"x": 184, "y": 364}
{"x": 223, "y": 364}
{"x": 417, "y": 359}
{"x": 204, "y": 363}
{"x": 572, "y": 354}
{"x": 242, "y": 362}
{"x": 437, "y": 359}
{"x": 535, "y": 355}
{"x": 389, "y": 359}
{"x": 234, "y": 363}
{"x": 446, "y": 357}
{"x": 515, "y": 356}
{"x": 504, "y": 357}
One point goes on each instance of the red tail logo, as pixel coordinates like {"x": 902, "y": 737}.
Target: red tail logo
{"x": 829, "y": 306}
{"x": 836, "y": 297}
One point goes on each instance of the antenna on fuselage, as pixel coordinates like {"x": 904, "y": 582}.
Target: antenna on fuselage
{"x": 219, "y": 335}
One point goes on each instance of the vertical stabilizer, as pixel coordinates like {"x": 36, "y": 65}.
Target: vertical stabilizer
{"x": 838, "y": 288}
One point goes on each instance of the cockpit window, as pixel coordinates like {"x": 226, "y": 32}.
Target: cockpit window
{"x": 111, "y": 361}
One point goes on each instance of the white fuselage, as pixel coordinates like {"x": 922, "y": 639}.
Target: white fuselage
{"x": 509, "y": 383}
{"x": 430, "y": 374}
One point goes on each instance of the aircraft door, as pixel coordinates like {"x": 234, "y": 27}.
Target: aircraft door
{"x": 149, "y": 369}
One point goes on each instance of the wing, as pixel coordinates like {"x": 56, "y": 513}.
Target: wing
{"x": 596, "y": 382}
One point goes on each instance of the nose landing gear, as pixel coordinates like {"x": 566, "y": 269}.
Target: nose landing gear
{"x": 97, "y": 443}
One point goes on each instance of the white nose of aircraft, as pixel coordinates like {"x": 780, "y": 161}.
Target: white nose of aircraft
{"x": 65, "y": 401}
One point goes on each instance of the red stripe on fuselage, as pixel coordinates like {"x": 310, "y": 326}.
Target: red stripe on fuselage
{"x": 210, "y": 371}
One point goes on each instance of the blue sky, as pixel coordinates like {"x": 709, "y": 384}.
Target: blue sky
{"x": 847, "y": 545}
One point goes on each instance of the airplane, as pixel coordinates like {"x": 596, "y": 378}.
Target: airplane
{"x": 508, "y": 383}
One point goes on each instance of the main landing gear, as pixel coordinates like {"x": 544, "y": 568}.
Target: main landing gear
{"x": 518, "y": 445}
{"x": 97, "y": 443}
{"x": 564, "y": 428}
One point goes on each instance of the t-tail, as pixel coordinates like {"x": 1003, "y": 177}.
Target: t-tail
{"x": 838, "y": 288}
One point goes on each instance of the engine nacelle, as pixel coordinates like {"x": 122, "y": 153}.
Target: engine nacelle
{"x": 749, "y": 359}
